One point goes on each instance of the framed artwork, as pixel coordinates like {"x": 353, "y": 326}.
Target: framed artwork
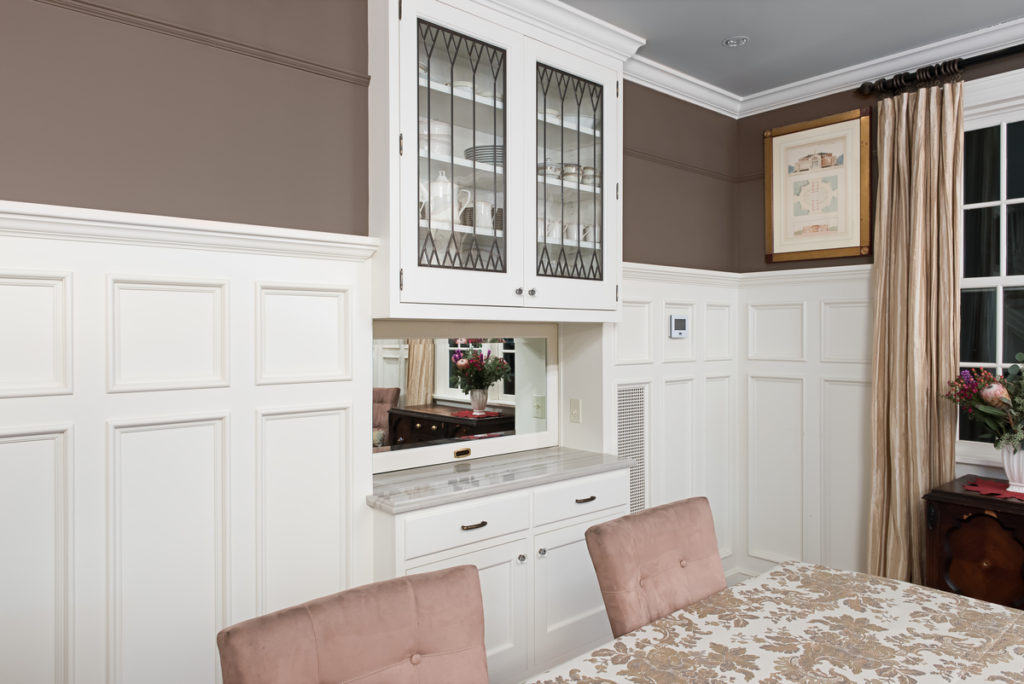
{"x": 817, "y": 195}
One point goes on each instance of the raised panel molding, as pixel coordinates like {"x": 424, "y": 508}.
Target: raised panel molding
{"x": 36, "y": 490}
{"x": 846, "y": 331}
{"x": 718, "y": 332}
{"x": 845, "y": 453}
{"x": 677, "y": 349}
{"x": 775, "y": 467}
{"x": 776, "y": 332}
{"x": 676, "y": 475}
{"x": 168, "y": 539}
{"x": 633, "y": 343}
{"x": 303, "y": 471}
{"x": 167, "y": 334}
{"x": 303, "y": 334}
{"x": 714, "y": 469}
{"x": 101, "y": 11}
{"x": 35, "y": 355}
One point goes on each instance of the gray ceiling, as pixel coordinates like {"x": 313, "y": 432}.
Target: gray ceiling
{"x": 790, "y": 40}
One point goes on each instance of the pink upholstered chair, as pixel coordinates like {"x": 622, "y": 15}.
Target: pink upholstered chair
{"x": 416, "y": 629}
{"x": 652, "y": 563}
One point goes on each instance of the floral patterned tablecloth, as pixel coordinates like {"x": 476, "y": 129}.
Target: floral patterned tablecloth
{"x": 806, "y": 623}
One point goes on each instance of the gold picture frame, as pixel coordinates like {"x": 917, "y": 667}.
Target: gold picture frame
{"x": 817, "y": 188}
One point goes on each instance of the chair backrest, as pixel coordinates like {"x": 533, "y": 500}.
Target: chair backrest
{"x": 384, "y": 399}
{"x": 416, "y": 629}
{"x": 652, "y": 563}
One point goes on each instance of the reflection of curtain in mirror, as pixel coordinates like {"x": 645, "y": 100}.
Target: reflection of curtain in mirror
{"x": 419, "y": 384}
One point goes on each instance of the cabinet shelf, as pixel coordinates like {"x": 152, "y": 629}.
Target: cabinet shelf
{"x": 465, "y": 94}
{"x": 445, "y": 226}
{"x": 570, "y": 186}
{"x": 560, "y": 124}
{"x": 584, "y": 244}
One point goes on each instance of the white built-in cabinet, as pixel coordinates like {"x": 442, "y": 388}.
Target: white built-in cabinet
{"x": 542, "y": 604}
{"x": 495, "y": 160}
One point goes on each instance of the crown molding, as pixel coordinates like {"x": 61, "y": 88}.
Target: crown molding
{"x": 564, "y": 20}
{"x": 26, "y": 220}
{"x": 100, "y": 11}
{"x": 683, "y": 86}
{"x": 667, "y": 80}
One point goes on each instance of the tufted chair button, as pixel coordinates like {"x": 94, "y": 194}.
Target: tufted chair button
{"x": 642, "y": 582}
{"x": 415, "y": 658}
{"x": 682, "y": 564}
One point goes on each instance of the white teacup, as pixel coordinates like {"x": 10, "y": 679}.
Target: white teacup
{"x": 554, "y": 231}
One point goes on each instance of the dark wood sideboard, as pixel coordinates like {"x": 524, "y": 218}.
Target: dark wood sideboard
{"x": 415, "y": 424}
{"x": 975, "y": 544}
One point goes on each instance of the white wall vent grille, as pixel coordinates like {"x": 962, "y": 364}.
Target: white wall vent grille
{"x": 632, "y": 423}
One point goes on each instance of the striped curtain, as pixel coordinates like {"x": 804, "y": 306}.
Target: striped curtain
{"x": 917, "y": 318}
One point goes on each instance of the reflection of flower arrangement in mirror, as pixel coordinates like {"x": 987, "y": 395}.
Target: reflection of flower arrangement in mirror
{"x": 473, "y": 369}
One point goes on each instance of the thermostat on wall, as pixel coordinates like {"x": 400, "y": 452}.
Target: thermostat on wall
{"x": 678, "y": 326}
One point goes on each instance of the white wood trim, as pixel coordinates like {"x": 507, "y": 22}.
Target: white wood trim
{"x": 679, "y": 275}
{"x": 685, "y": 87}
{"x": 804, "y": 275}
{"x": 991, "y": 100}
{"x": 63, "y": 383}
{"x": 23, "y": 219}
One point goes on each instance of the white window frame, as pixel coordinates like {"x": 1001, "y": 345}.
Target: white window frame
{"x": 992, "y": 101}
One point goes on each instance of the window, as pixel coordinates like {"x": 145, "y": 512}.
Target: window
{"x": 992, "y": 254}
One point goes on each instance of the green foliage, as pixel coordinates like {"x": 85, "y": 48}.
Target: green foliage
{"x": 472, "y": 369}
{"x": 997, "y": 403}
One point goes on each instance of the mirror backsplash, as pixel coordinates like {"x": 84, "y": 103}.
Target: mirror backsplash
{"x": 423, "y": 389}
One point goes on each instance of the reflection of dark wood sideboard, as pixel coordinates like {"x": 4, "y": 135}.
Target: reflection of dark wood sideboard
{"x": 427, "y": 423}
{"x": 975, "y": 544}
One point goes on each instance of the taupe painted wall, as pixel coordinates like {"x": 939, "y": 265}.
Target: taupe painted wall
{"x": 96, "y": 112}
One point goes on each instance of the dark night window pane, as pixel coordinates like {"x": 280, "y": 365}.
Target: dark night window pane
{"x": 981, "y": 242}
{"x": 981, "y": 165}
{"x": 1015, "y": 239}
{"x": 973, "y": 430}
{"x": 1013, "y": 323}
{"x": 1015, "y": 160}
{"x": 978, "y": 326}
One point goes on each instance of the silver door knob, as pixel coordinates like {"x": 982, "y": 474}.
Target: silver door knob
{"x": 532, "y": 292}
{"x": 542, "y": 552}
{"x": 521, "y": 558}
{"x": 519, "y": 290}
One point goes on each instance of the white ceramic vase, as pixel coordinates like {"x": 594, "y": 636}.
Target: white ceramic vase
{"x": 478, "y": 400}
{"x": 1013, "y": 464}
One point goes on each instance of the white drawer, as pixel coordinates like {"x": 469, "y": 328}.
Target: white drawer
{"x": 446, "y": 527}
{"x": 580, "y": 496}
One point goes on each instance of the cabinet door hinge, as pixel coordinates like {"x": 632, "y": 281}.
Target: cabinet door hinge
{"x": 616, "y": 191}
{"x": 616, "y": 89}
{"x": 401, "y": 279}
{"x": 616, "y": 293}
{"x": 399, "y": 10}
{"x": 401, "y": 144}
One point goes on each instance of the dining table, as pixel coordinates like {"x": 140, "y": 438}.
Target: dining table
{"x": 800, "y": 622}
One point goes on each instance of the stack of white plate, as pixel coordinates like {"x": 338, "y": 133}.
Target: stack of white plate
{"x": 489, "y": 154}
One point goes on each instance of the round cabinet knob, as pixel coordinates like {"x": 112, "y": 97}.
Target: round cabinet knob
{"x": 519, "y": 290}
{"x": 419, "y": 425}
{"x": 433, "y": 427}
{"x": 532, "y": 292}
{"x": 542, "y": 552}
{"x": 521, "y": 558}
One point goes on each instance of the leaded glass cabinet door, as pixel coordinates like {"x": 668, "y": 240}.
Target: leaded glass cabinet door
{"x": 461, "y": 241}
{"x": 573, "y": 256}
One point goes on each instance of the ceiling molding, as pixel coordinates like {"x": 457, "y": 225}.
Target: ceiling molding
{"x": 990, "y": 100}
{"x": 680, "y": 85}
{"x": 564, "y": 20}
{"x": 95, "y": 9}
{"x": 667, "y": 80}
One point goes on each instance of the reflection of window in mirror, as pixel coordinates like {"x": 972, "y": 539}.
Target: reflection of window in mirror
{"x": 430, "y": 408}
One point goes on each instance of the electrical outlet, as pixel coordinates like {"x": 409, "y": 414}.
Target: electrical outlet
{"x": 575, "y": 410}
{"x": 540, "y": 408}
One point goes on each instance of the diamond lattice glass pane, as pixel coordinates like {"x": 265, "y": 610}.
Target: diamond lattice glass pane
{"x": 461, "y": 152}
{"x": 981, "y": 242}
{"x": 981, "y": 165}
{"x": 570, "y": 176}
{"x": 978, "y": 326}
{"x": 1015, "y": 160}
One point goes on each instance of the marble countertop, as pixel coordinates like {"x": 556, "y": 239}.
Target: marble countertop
{"x": 416, "y": 488}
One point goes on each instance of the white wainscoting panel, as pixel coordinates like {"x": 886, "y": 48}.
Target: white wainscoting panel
{"x": 846, "y": 331}
{"x": 719, "y": 333}
{"x": 677, "y": 348}
{"x": 168, "y": 548}
{"x": 776, "y": 332}
{"x": 633, "y": 335}
{"x": 301, "y": 499}
{"x": 717, "y": 474}
{"x": 775, "y": 468}
{"x": 845, "y": 472}
{"x": 35, "y": 600}
{"x": 303, "y": 334}
{"x": 675, "y": 478}
{"x": 167, "y": 334}
{"x": 35, "y": 353}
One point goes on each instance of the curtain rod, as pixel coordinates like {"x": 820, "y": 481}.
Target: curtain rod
{"x": 928, "y": 74}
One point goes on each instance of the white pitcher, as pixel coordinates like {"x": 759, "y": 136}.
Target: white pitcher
{"x": 441, "y": 192}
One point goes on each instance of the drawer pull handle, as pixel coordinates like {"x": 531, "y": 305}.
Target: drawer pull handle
{"x": 477, "y": 526}
{"x": 592, "y": 497}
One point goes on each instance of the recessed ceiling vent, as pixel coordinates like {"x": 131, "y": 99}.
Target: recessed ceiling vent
{"x": 736, "y": 41}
